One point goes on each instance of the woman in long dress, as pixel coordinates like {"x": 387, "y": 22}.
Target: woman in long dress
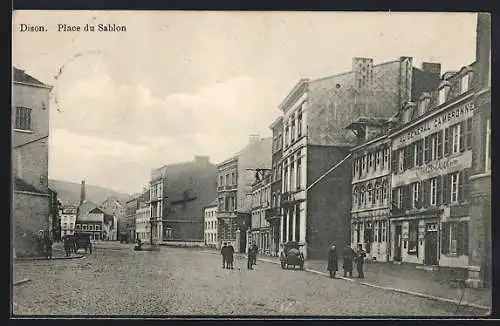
{"x": 333, "y": 259}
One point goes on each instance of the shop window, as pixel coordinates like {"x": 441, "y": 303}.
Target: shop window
{"x": 455, "y": 238}
{"x": 413, "y": 238}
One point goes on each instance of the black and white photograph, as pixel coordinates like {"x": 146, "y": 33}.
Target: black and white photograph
{"x": 250, "y": 164}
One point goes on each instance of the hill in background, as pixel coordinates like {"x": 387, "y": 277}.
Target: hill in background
{"x": 69, "y": 192}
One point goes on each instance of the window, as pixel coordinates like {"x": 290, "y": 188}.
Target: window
{"x": 384, "y": 231}
{"x": 363, "y": 164}
{"x": 468, "y": 133}
{"x": 292, "y": 174}
{"x": 84, "y": 227}
{"x": 280, "y": 141}
{"x": 299, "y": 124}
{"x": 299, "y": 171}
{"x": 377, "y": 193}
{"x": 399, "y": 197}
{"x": 433, "y": 191}
{"x": 370, "y": 195}
{"x": 415, "y": 194}
{"x": 442, "y": 96}
{"x": 91, "y": 227}
{"x": 23, "y": 118}
{"x": 378, "y": 159}
{"x": 355, "y": 194}
{"x": 455, "y": 138}
{"x": 233, "y": 177}
{"x": 455, "y": 238}
{"x": 377, "y": 236}
{"x": 434, "y": 147}
{"x": 65, "y": 225}
{"x": 362, "y": 197}
{"x": 370, "y": 160}
{"x": 384, "y": 190}
{"x": 386, "y": 158}
{"x": 401, "y": 160}
{"x": 487, "y": 155}
{"x": 413, "y": 238}
{"x": 292, "y": 131}
{"x": 464, "y": 82}
{"x": 355, "y": 169}
{"x": 286, "y": 135}
{"x": 454, "y": 187}
{"x": 285, "y": 182}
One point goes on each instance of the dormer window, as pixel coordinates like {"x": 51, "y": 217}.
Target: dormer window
{"x": 444, "y": 88}
{"x": 424, "y": 103}
{"x": 408, "y": 109}
{"x": 465, "y": 81}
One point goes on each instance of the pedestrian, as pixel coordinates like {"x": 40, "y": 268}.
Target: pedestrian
{"x": 230, "y": 256}
{"x": 251, "y": 257}
{"x": 40, "y": 243}
{"x": 67, "y": 247}
{"x": 333, "y": 261}
{"x": 255, "y": 251}
{"x": 223, "y": 252}
{"x": 360, "y": 261}
{"x": 348, "y": 256}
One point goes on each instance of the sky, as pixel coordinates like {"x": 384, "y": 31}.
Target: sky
{"x": 178, "y": 84}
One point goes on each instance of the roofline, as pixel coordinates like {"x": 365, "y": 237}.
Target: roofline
{"x": 302, "y": 81}
{"x": 233, "y": 158}
{"x": 34, "y": 85}
{"x": 275, "y": 122}
{"x": 371, "y": 141}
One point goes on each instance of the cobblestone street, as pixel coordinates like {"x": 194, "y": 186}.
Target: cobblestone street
{"x": 119, "y": 281}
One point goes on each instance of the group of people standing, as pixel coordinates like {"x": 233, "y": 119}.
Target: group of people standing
{"x": 44, "y": 244}
{"x": 227, "y": 252}
{"x": 348, "y": 257}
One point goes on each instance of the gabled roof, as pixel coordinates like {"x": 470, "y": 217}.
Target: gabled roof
{"x": 20, "y": 76}
{"x": 86, "y": 207}
{"x": 22, "y": 185}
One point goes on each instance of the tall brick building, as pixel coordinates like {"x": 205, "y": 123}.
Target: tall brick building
{"x": 178, "y": 194}
{"x": 480, "y": 179}
{"x": 30, "y": 158}
{"x": 315, "y": 114}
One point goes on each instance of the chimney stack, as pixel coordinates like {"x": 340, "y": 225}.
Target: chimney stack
{"x": 82, "y": 192}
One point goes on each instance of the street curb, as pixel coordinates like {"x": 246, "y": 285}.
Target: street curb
{"x": 53, "y": 258}
{"x": 26, "y": 280}
{"x": 417, "y": 294}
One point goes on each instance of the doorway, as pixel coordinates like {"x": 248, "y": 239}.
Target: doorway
{"x": 398, "y": 242}
{"x": 431, "y": 245}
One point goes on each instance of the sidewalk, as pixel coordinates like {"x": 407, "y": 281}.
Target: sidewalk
{"x": 403, "y": 278}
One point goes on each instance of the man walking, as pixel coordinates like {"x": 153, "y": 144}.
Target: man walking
{"x": 255, "y": 250}
{"x": 230, "y": 257}
{"x": 348, "y": 256}
{"x": 360, "y": 261}
{"x": 251, "y": 257}
{"x": 223, "y": 252}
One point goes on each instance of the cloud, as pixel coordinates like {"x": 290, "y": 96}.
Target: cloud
{"x": 105, "y": 121}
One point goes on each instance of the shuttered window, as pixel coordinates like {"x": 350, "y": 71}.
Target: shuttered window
{"x": 455, "y": 238}
{"x": 468, "y": 134}
{"x": 23, "y": 118}
{"x": 446, "y": 191}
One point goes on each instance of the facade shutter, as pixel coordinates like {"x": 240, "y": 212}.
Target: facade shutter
{"x": 418, "y": 144}
{"x": 425, "y": 193}
{"x": 439, "y": 144}
{"x": 411, "y": 155}
{"x": 466, "y": 185}
{"x": 420, "y": 193}
{"x": 463, "y": 130}
{"x": 465, "y": 235}
{"x": 405, "y": 157}
{"x": 461, "y": 185}
{"x": 468, "y": 137}
{"x": 394, "y": 161}
{"x": 459, "y": 237}
{"x": 406, "y": 197}
{"x": 446, "y": 189}
{"x": 438, "y": 191}
{"x": 446, "y": 151}
{"x": 427, "y": 149}
{"x": 394, "y": 200}
{"x": 445, "y": 238}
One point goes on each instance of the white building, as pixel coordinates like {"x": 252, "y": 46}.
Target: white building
{"x": 68, "y": 220}
{"x": 210, "y": 225}
{"x": 143, "y": 224}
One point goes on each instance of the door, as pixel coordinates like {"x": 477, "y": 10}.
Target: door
{"x": 397, "y": 242}
{"x": 430, "y": 246}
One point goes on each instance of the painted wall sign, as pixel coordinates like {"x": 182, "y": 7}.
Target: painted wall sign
{"x": 433, "y": 169}
{"x": 441, "y": 121}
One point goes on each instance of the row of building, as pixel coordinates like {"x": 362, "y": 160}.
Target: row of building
{"x": 381, "y": 156}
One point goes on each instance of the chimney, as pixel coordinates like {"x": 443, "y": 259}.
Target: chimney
{"x": 82, "y": 192}
{"x": 253, "y": 139}
{"x": 432, "y": 67}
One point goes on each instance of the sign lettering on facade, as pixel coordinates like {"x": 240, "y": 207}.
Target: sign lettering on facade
{"x": 428, "y": 127}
